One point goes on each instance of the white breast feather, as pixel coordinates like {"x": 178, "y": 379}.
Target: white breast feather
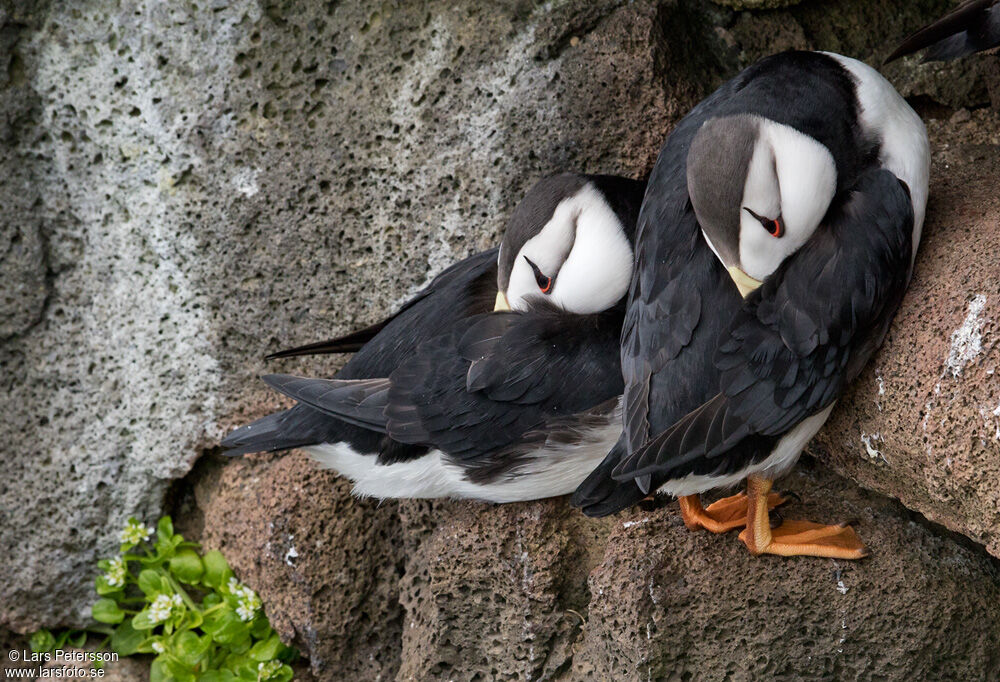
{"x": 553, "y": 469}
{"x": 782, "y": 458}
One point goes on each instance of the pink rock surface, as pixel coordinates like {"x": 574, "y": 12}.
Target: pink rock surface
{"x": 923, "y": 422}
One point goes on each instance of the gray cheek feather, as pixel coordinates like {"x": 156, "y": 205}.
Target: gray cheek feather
{"x": 717, "y": 165}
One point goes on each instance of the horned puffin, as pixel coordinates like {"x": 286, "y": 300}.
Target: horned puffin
{"x": 971, "y": 27}
{"x": 774, "y": 245}
{"x": 500, "y": 381}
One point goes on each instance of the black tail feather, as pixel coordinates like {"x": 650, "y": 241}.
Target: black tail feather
{"x": 350, "y": 343}
{"x": 973, "y": 27}
{"x": 360, "y": 402}
{"x": 601, "y": 495}
{"x": 268, "y": 434}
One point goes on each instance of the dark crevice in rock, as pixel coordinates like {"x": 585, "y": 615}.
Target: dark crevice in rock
{"x": 179, "y": 499}
{"x": 929, "y": 108}
{"x": 40, "y": 313}
{"x": 684, "y": 29}
{"x": 809, "y": 459}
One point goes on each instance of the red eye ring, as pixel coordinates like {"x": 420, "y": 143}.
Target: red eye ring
{"x": 544, "y": 283}
{"x": 773, "y": 227}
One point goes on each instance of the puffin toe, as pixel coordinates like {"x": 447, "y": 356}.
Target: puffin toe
{"x": 793, "y": 538}
{"x": 804, "y": 538}
{"x": 723, "y": 515}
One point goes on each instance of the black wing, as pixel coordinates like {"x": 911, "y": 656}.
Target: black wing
{"x": 677, "y": 299}
{"x": 467, "y": 288}
{"x": 450, "y": 292}
{"x": 973, "y": 26}
{"x": 799, "y": 339}
{"x": 484, "y": 385}
{"x": 481, "y": 389}
{"x": 681, "y": 298}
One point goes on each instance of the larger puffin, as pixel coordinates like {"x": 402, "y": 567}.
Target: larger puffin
{"x": 774, "y": 246}
{"x": 498, "y": 382}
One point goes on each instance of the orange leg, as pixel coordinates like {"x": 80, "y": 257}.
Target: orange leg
{"x": 723, "y": 515}
{"x": 794, "y": 538}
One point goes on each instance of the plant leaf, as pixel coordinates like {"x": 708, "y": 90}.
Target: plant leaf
{"x": 190, "y": 648}
{"x": 107, "y": 611}
{"x": 260, "y": 628}
{"x": 151, "y": 583}
{"x": 217, "y": 570}
{"x": 42, "y": 641}
{"x": 284, "y": 674}
{"x": 216, "y": 676}
{"x": 141, "y": 621}
{"x": 187, "y": 566}
{"x": 266, "y": 650}
{"x": 165, "y": 529}
{"x": 125, "y": 640}
{"x": 225, "y": 626}
{"x": 158, "y": 670}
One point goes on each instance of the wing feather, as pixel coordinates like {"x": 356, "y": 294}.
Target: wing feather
{"x": 817, "y": 330}
{"x": 356, "y": 401}
{"x": 973, "y": 26}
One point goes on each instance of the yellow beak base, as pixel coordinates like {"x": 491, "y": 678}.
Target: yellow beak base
{"x": 744, "y": 282}
{"x": 501, "y": 304}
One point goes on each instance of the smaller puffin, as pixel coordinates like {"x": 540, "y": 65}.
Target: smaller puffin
{"x": 774, "y": 245}
{"x": 500, "y": 381}
{"x": 971, "y": 27}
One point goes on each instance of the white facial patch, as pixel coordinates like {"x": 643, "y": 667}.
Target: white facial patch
{"x": 584, "y": 249}
{"x": 792, "y": 178}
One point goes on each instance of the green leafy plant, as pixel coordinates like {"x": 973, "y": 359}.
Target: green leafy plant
{"x": 45, "y": 640}
{"x": 165, "y": 597}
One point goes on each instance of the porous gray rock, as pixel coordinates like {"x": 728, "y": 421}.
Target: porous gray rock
{"x": 209, "y": 182}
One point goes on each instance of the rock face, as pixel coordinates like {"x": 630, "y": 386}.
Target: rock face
{"x": 185, "y": 188}
{"x": 468, "y": 591}
{"x": 923, "y": 422}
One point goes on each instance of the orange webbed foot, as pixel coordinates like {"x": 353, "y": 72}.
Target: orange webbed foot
{"x": 723, "y": 515}
{"x": 804, "y": 538}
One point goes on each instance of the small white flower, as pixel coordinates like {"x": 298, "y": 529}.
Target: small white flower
{"x": 134, "y": 533}
{"x": 247, "y": 601}
{"x": 267, "y": 669}
{"x": 116, "y": 572}
{"x": 248, "y": 608}
{"x": 163, "y": 606}
{"x": 158, "y": 647}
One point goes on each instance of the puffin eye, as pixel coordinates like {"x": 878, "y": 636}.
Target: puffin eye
{"x": 544, "y": 283}
{"x": 773, "y": 227}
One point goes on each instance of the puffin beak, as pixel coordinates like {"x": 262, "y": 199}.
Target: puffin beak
{"x": 501, "y": 304}
{"x": 744, "y": 282}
